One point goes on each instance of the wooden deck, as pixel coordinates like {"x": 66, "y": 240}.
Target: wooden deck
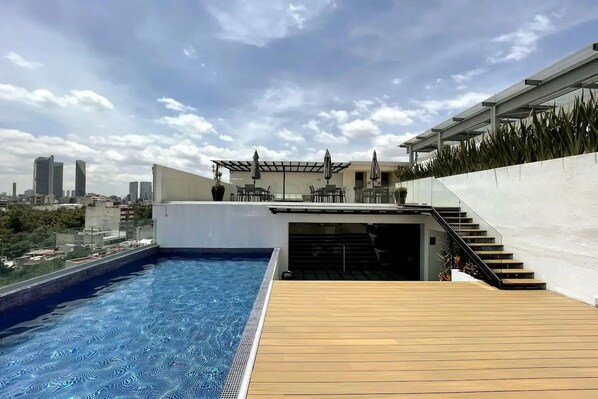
{"x": 424, "y": 340}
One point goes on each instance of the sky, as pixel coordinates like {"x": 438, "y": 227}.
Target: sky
{"x": 123, "y": 85}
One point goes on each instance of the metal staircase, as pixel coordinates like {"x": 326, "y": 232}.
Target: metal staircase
{"x": 496, "y": 264}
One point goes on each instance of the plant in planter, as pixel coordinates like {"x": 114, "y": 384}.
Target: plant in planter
{"x": 217, "y": 188}
{"x": 400, "y": 195}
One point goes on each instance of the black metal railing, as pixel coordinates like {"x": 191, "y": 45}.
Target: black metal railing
{"x": 486, "y": 271}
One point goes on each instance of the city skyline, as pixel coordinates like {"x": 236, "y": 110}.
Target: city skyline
{"x": 184, "y": 83}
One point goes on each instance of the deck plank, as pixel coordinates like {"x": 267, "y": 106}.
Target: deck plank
{"x": 434, "y": 340}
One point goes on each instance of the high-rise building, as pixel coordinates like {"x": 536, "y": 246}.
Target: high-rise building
{"x": 43, "y": 175}
{"x": 133, "y": 191}
{"x": 67, "y": 193}
{"x": 58, "y": 179}
{"x": 145, "y": 191}
{"x": 14, "y": 190}
{"x": 80, "y": 179}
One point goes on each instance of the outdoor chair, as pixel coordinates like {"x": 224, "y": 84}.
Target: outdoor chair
{"x": 312, "y": 193}
{"x": 267, "y": 194}
{"x": 240, "y": 193}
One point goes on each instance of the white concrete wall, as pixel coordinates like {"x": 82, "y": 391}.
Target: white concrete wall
{"x": 547, "y": 213}
{"x": 175, "y": 185}
{"x": 252, "y": 225}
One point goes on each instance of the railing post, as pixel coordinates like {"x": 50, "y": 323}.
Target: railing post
{"x": 459, "y": 215}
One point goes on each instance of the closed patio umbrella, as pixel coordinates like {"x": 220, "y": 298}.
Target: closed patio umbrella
{"x": 374, "y": 169}
{"x": 255, "y": 168}
{"x": 327, "y": 167}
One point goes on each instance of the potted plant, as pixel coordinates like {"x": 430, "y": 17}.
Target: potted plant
{"x": 217, "y": 188}
{"x": 400, "y": 195}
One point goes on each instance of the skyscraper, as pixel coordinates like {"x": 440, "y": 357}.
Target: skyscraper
{"x": 80, "y": 179}
{"x": 145, "y": 191}
{"x": 58, "y": 179}
{"x": 43, "y": 175}
{"x": 133, "y": 191}
{"x": 14, "y": 190}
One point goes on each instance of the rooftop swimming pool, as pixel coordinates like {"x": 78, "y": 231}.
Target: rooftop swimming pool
{"x": 164, "y": 329}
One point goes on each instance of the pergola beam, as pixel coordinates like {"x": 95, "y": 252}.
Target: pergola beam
{"x": 541, "y": 91}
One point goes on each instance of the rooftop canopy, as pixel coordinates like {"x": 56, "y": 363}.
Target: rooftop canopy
{"x": 577, "y": 71}
{"x": 282, "y": 166}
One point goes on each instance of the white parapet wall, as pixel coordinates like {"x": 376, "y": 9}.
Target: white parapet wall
{"x": 253, "y": 225}
{"x": 175, "y": 185}
{"x": 547, "y": 213}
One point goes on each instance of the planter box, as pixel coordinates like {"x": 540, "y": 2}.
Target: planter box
{"x": 457, "y": 275}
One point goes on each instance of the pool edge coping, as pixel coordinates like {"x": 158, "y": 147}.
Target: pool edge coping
{"x": 239, "y": 375}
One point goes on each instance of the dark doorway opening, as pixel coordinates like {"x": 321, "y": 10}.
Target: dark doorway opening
{"x": 354, "y": 251}
{"x": 359, "y": 179}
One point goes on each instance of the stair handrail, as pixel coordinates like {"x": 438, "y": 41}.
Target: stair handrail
{"x": 482, "y": 266}
{"x": 435, "y": 186}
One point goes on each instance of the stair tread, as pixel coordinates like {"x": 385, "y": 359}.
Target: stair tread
{"x": 502, "y": 261}
{"x": 522, "y": 281}
{"x": 481, "y": 236}
{"x": 484, "y": 244}
{"x": 512, "y": 271}
{"x": 493, "y": 253}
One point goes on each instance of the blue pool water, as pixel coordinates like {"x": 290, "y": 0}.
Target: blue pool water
{"x": 165, "y": 330}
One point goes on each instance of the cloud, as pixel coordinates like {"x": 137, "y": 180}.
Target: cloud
{"x": 281, "y": 96}
{"x": 129, "y": 141}
{"x": 84, "y": 99}
{"x": 190, "y": 52}
{"x": 19, "y": 145}
{"x": 260, "y": 23}
{"x": 226, "y": 137}
{"x": 460, "y": 78}
{"x": 287, "y": 135}
{"x": 397, "y": 81}
{"x": 89, "y": 100}
{"x": 190, "y": 124}
{"x": 360, "y": 128}
{"x": 327, "y": 138}
{"x": 523, "y": 41}
{"x": 340, "y": 116}
{"x": 395, "y": 115}
{"x": 171, "y": 103}
{"x": 362, "y": 106}
{"x": 459, "y": 102}
{"x": 21, "y": 62}
{"x": 313, "y": 125}
{"x": 391, "y": 140}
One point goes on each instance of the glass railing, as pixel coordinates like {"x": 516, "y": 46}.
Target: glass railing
{"x": 432, "y": 192}
{"x": 29, "y": 254}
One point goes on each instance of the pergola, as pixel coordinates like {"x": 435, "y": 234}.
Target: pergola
{"x": 577, "y": 71}
{"x": 282, "y": 167}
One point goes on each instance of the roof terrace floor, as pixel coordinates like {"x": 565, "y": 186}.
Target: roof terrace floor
{"x": 381, "y": 339}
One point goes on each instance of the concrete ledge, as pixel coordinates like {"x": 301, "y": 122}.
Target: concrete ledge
{"x": 204, "y": 251}
{"x": 37, "y": 288}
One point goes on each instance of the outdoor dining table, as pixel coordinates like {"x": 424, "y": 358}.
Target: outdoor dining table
{"x": 329, "y": 194}
{"x": 252, "y": 193}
